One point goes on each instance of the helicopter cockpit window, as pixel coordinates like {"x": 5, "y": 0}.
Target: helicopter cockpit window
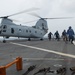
{"x": 12, "y": 30}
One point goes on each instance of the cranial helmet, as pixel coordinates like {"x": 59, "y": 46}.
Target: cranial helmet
{"x": 70, "y": 27}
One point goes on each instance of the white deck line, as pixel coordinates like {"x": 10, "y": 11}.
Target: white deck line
{"x": 46, "y": 50}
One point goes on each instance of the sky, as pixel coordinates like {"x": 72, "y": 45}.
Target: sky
{"x": 46, "y": 8}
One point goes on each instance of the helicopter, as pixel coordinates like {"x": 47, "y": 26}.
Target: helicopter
{"x": 10, "y": 29}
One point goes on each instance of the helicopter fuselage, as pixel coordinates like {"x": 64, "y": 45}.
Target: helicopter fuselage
{"x": 10, "y": 29}
{"x": 21, "y": 31}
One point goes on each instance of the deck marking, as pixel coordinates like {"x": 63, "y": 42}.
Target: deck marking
{"x": 56, "y": 59}
{"x": 46, "y": 50}
{"x": 58, "y": 65}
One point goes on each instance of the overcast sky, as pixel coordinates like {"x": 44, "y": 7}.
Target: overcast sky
{"x": 47, "y": 8}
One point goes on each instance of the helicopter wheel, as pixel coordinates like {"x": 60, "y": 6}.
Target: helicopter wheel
{"x": 4, "y": 41}
{"x": 29, "y": 39}
{"x": 41, "y": 39}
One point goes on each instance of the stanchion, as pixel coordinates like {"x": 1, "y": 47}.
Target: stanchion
{"x": 18, "y": 62}
{"x": 2, "y": 70}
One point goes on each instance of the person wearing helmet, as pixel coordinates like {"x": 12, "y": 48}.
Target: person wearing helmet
{"x": 57, "y": 35}
{"x": 49, "y": 36}
{"x": 70, "y": 34}
{"x": 64, "y": 35}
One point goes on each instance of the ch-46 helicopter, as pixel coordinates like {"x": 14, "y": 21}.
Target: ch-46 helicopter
{"x": 10, "y": 29}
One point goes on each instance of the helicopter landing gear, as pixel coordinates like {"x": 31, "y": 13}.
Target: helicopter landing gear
{"x": 29, "y": 39}
{"x": 4, "y": 41}
{"x": 41, "y": 39}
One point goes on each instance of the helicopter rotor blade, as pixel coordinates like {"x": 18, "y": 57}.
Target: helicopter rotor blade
{"x": 30, "y": 21}
{"x": 23, "y": 21}
{"x": 31, "y": 9}
{"x": 34, "y": 14}
{"x": 4, "y": 16}
{"x": 27, "y": 21}
{"x": 59, "y": 18}
{"x": 15, "y": 20}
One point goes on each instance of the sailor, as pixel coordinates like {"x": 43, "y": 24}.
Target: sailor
{"x": 57, "y": 35}
{"x": 49, "y": 36}
{"x": 64, "y": 35}
{"x": 70, "y": 33}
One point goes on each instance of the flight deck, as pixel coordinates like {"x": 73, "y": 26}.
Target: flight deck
{"x": 41, "y": 54}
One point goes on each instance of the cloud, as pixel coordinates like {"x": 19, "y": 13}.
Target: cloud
{"x": 8, "y": 7}
{"x": 68, "y": 6}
